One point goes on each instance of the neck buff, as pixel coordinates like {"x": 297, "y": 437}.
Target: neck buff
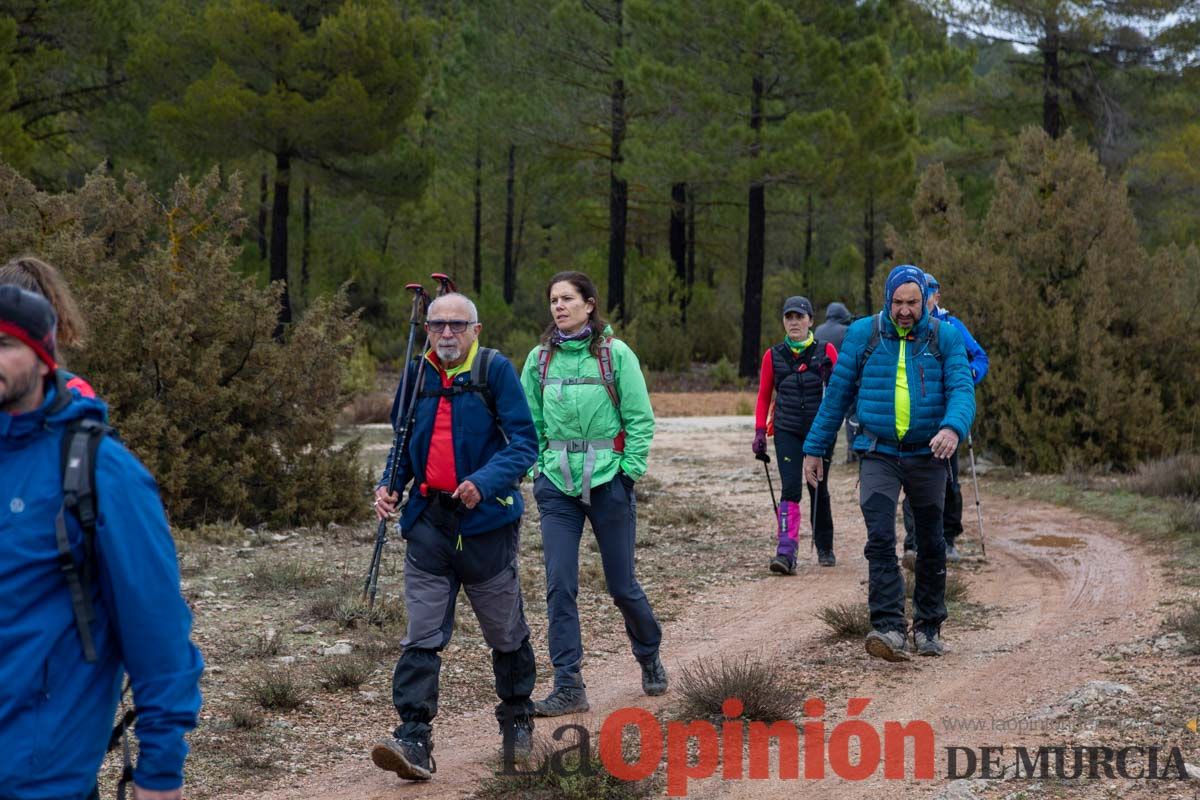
{"x": 558, "y": 337}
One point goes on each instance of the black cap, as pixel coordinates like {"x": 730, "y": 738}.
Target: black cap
{"x": 798, "y": 304}
{"x": 30, "y": 318}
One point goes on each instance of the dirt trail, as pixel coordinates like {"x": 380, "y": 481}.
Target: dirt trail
{"x": 1061, "y": 587}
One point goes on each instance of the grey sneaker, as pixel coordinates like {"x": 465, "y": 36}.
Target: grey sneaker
{"x": 928, "y": 643}
{"x": 826, "y": 558}
{"x": 517, "y": 735}
{"x": 952, "y": 554}
{"x": 408, "y": 758}
{"x": 909, "y": 560}
{"x": 889, "y": 645}
{"x": 563, "y": 700}
{"x": 654, "y": 677}
{"x": 783, "y": 565}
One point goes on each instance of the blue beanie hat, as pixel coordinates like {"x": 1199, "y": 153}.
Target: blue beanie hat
{"x": 905, "y": 273}
{"x": 932, "y": 283}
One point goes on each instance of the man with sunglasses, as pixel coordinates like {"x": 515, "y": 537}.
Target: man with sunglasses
{"x": 472, "y": 439}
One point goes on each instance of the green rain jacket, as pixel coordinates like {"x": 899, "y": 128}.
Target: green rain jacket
{"x": 567, "y": 416}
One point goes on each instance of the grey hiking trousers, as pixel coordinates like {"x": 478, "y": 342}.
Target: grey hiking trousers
{"x": 437, "y": 562}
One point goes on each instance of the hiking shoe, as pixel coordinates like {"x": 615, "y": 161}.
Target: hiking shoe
{"x": 928, "y": 643}
{"x": 889, "y": 645}
{"x": 410, "y": 759}
{"x": 654, "y": 677}
{"x": 563, "y": 700}
{"x": 517, "y": 734}
{"x": 909, "y": 560}
{"x": 826, "y": 558}
{"x": 783, "y": 565}
{"x": 952, "y": 554}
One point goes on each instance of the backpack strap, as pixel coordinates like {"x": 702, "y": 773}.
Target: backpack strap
{"x": 81, "y": 441}
{"x": 933, "y": 338}
{"x": 872, "y": 343}
{"x": 545, "y": 353}
{"x": 606, "y": 372}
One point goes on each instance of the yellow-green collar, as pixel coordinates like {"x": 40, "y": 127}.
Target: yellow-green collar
{"x": 461, "y": 368}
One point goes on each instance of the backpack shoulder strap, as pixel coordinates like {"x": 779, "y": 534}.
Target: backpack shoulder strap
{"x": 545, "y": 353}
{"x": 81, "y": 443}
{"x": 872, "y": 343}
{"x": 604, "y": 358}
{"x": 934, "y": 337}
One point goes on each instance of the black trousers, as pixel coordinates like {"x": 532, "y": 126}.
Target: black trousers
{"x": 789, "y": 455}
{"x": 952, "y": 511}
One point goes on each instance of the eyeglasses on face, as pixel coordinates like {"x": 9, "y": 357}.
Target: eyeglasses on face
{"x": 456, "y": 325}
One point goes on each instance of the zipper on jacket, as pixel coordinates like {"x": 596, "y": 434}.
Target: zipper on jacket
{"x": 921, "y": 371}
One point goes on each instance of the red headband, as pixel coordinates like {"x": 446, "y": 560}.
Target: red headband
{"x": 17, "y": 332}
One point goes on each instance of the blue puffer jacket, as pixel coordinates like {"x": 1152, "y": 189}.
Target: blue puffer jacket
{"x": 56, "y": 709}
{"x": 941, "y": 394}
{"x": 481, "y": 454}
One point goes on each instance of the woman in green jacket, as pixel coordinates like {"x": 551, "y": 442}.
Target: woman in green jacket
{"x": 594, "y": 422}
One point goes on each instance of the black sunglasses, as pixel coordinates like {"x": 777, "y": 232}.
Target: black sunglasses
{"x": 456, "y": 325}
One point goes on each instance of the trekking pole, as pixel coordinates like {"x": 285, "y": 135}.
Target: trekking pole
{"x": 766, "y": 459}
{"x": 975, "y": 480}
{"x": 399, "y": 440}
{"x": 445, "y": 283}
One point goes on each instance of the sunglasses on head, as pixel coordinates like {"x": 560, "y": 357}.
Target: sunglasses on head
{"x": 456, "y": 325}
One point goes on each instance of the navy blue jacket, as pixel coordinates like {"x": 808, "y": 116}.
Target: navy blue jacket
{"x": 481, "y": 454}
{"x": 56, "y": 709}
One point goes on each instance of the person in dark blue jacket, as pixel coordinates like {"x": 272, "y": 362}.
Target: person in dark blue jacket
{"x": 60, "y": 674}
{"x": 466, "y": 453}
{"x": 977, "y": 358}
{"x": 907, "y": 376}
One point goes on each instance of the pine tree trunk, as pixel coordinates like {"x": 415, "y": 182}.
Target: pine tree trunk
{"x": 510, "y": 256}
{"x": 677, "y": 236}
{"x": 477, "y": 254}
{"x": 808, "y": 232}
{"x": 756, "y": 248}
{"x": 868, "y": 249}
{"x": 279, "y": 236}
{"x": 306, "y": 248}
{"x": 1051, "y": 79}
{"x": 262, "y": 216}
{"x": 618, "y": 189}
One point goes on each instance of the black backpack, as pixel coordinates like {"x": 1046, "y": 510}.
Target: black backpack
{"x": 478, "y": 383}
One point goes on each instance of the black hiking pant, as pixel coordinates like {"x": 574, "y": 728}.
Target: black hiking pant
{"x": 789, "y": 455}
{"x": 923, "y": 478}
{"x": 436, "y": 564}
{"x": 952, "y": 511}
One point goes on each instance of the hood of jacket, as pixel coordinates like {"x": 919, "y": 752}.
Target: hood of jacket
{"x": 836, "y": 312}
{"x": 905, "y": 273}
{"x": 59, "y": 407}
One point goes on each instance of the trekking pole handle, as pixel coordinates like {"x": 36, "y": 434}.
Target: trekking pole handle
{"x": 763, "y": 457}
{"x": 445, "y": 283}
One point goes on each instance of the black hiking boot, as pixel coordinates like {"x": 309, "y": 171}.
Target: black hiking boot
{"x": 411, "y": 759}
{"x": 516, "y": 738}
{"x": 654, "y": 676}
{"x": 783, "y": 565}
{"x": 563, "y": 700}
{"x": 952, "y": 554}
{"x": 826, "y": 558}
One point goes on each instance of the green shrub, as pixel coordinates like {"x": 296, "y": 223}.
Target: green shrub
{"x": 233, "y": 424}
{"x": 1178, "y": 476}
{"x": 344, "y": 672}
{"x": 1088, "y": 335}
{"x": 278, "y": 689}
{"x": 846, "y": 620}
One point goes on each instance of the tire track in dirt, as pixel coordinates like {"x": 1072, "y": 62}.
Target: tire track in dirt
{"x": 1057, "y": 602}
